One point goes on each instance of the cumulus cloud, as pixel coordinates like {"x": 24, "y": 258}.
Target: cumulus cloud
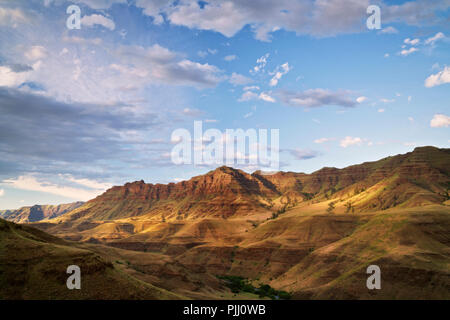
{"x": 314, "y": 98}
{"x": 406, "y": 52}
{"x": 278, "y": 73}
{"x": 411, "y": 42}
{"x": 436, "y": 37}
{"x": 247, "y": 96}
{"x": 440, "y": 120}
{"x": 260, "y": 64}
{"x": 318, "y": 18}
{"x": 361, "y": 99}
{"x": 97, "y": 19}
{"x": 266, "y": 97}
{"x": 439, "y": 78}
{"x": 350, "y": 141}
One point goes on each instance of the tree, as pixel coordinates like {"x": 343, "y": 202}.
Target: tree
{"x": 330, "y": 207}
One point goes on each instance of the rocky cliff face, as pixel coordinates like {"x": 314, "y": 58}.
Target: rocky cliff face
{"x": 416, "y": 178}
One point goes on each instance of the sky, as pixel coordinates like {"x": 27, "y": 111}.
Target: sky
{"x": 84, "y": 109}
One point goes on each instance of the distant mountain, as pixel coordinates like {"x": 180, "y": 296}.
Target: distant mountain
{"x": 417, "y": 178}
{"x": 38, "y": 212}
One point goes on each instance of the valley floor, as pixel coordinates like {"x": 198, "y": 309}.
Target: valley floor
{"x": 305, "y": 251}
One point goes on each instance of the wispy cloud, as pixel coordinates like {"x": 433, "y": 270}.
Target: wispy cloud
{"x": 314, "y": 98}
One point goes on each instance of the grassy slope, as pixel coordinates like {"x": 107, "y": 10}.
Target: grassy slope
{"x": 33, "y": 266}
{"x": 411, "y": 246}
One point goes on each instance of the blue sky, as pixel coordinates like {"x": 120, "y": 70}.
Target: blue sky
{"x": 85, "y": 109}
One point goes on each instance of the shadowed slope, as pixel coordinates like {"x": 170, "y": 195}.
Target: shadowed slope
{"x": 33, "y": 265}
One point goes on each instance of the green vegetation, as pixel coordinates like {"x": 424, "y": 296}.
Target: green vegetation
{"x": 239, "y": 284}
{"x": 330, "y": 207}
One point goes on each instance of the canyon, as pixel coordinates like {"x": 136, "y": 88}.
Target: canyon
{"x": 311, "y": 235}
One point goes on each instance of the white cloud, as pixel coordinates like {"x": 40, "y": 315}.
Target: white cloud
{"x": 249, "y": 88}
{"x": 239, "y": 79}
{"x": 389, "y": 30}
{"x": 248, "y": 115}
{"x": 386, "y": 55}
{"x": 318, "y": 18}
{"x": 439, "y": 78}
{"x": 101, "y": 4}
{"x": 409, "y": 98}
{"x": 36, "y": 53}
{"x": 411, "y": 119}
{"x": 384, "y": 100}
{"x": 380, "y": 110}
{"x": 440, "y": 120}
{"x": 12, "y": 17}
{"x": 266, "y": 97}
{"x": 230, "y": 57}
{"x": 159, "y": 64}
{"x": 97, "y": 19}
{"x": 350, "y": 141}
{"x": 323, "y": 140}
{"x": 2, "y": 192}
{"x": 361, "y": 99}
{"x": 91, "y": 184}
{"x": 260, "y": 64}
{"x": 406, "y": 52}
{"x": 9, "y": 78}
{"x": 278, "y": 73}
{"x": 436, "y": 37}
{"x": 313, "y": 98}
{"x": 411, "y": 42}
{"x": 248, "y": 95}
{"x": 29, "y": 182}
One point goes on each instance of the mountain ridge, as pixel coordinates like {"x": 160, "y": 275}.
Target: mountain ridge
{"x": 415, "y": 178}
{"x": 38, "y": 212}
